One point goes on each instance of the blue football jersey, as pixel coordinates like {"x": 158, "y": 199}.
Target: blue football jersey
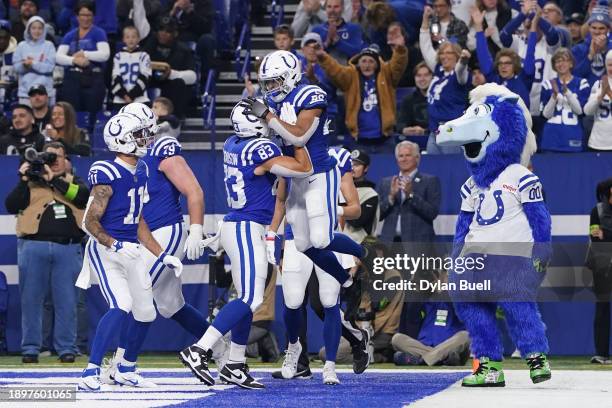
{"x": 249, "y": 197}
{"x": 120, "y": 219}
{"x": 305, "y": 97}
{"x": 447, "y": 97}
{"x": 163, "y": 207}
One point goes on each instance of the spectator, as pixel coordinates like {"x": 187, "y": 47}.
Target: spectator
{"x": 22, "y": 134}
{"x": 562, "y": 101}
{"x": 369, "y": 86}
{"x": 8, "y": 45}
{"x": 442, "y": 338}
{"x": 173, "y": 65}
{"x": 125, "y": 11}
{"x": 599, "y": 105}
{"x": 444, "y": 25}
{"x": 27, "y": 10}
{"x": 574, "y": 26}
{"x": 314, "y": 74}
{"x": 310, "y": 13}
{"x": 549, "y": 39}
{"x": 39, "y": 102}
{"x": 507, "y": 69}
{"x": 461, "y": 9}
{"x": 448, "y": 92}
{"x": 283, "y": 38}
{"x": 63, "y": 129}
{"x": 590, "y": 55}
{"x": 478, "y": 78}
{"x": 497, "y": 14}
{"x": 340, "y": 39}
{"x": 34, "y": 60}
{"x": 380, "y": 15}
{"x": 83, "y": 53}
{"x": 253, "y": 89}
{"x": 413, "y": 119}
{"x": 131, "y": 71}
{"x": 49, "y": 207}
{"x": 409, "y": 201}
{"x": 364, "y": 226}
{"x": 599, "y": 262}
{"x": 168, "y": 124}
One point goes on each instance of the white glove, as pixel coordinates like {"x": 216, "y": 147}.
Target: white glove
{"x": 192, "y": 245}
{"x": 129, "y": 249}
{"x": 270, "y": 247}
{"x": 172, "y": 262}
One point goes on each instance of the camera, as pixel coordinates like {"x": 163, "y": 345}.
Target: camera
{"x": 37, "y": 162}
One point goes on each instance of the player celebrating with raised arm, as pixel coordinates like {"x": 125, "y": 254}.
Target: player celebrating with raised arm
{"x": 169, "y": 177}
{"x": 115, "y": 226}
{"x": 251, "y": 163}
{"x": 311, "y": 204}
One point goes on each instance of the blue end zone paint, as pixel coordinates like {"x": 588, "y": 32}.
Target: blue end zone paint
{"x": 365, "y": 390}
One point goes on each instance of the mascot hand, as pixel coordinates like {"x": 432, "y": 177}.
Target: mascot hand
{"x": 541, "y": 256}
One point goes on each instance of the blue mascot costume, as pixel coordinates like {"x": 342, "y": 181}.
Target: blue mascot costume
{"x": 505, "y": 227}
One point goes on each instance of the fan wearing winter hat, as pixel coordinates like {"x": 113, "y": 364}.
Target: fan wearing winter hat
{"x": 590, "y": 55}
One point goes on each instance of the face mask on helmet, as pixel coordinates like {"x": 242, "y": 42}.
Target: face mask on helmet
{"x": 274, "y": 88}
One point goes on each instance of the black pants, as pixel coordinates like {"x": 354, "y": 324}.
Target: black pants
{"x": 84, "y": 98}
{"x": 178, "y": 92}
{"x": 602, "y": 286}
{"x": 312, "y": 295}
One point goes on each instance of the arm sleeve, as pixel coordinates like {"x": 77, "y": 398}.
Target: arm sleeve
{"x": 482, "y": 52}
{"x": 427, "y": 49}
{"x": 530, "y": 189}
{"x": 505, "y": 35}
{"x": 140, "y": 19}
{"x": 76, "y": 192}
{"x": 574, "y": 103}
{"x": 101, "y": 54}
{"x": 551, "y": 33}
{"x": 462, "y": 72}
{"x": 18, "y": 199}
{"x": 583, "y": 63}
{"x": 353, "y": 44}
{"x": 368, "y": 212}
{"x": 301, "y": 20}
{"x": 338, "y": 74}
{"x": 429, "y": 206}
{"x": 547, "y": 102}
{"x": 398, "y": 62}
{"x": 262, "y": 152}
{"x": 18, "y": 60}
{"x": 188, "y": 75}
{"x": 529, "y": 62}
{"x": 592, "y": 105}
{"x": 62, "y": 57}
{"x": 467, "y": 196}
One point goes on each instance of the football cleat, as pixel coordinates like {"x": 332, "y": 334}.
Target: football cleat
{"x": 109, "y": 368}
{"x": 197, "y": 359}
{"x": 90, "y": 381}
{"x": 303, "y": 373}
{"x": 329, "y": 374}
{"x": 129, "y": 377}
{"x": 361, "y": 355}
{"x": 292, "y": 355}
{"x": 238, "y": 374}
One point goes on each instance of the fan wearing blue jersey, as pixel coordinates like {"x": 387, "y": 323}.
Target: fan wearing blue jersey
{"x": 169, "y": 178}
{"x": 296, "y": 271}
{"x": 297, "y": 113}
{"x": 563, "y": 99}
{"x": 115, "y": 226}
{"x": 251, "y": 165}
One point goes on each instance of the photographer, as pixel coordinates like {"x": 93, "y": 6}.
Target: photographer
{"x": 49, "y": 204}
{"x": 22, "y": 134}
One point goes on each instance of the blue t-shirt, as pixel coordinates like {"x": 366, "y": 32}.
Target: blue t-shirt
{"x": 163, "y": 207}
{"x": 563, "y": 132}
{"x": 350, "y": 38}
{"x": 369, "y": 112}
{"x": 305, "y": 97}
{"x": 249, "y": 197}
{"x": 439, "y": 323}
{"x": 120, "y": 219}
{"x": 446, "y": 97}
{"x": 87, "y": 43}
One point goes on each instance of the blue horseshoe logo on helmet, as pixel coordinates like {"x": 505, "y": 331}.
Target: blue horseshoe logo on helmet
{"x": 149, "y": 115}
{"x": 498, "y": 214}
{"x": 292, "y": 60}
{"x": 248, "y": 117}
{"x": 110, "y": 129}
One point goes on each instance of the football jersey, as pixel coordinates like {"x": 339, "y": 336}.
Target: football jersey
{"x": 163, "y": 207}
{"x": 563, "y": 132}
{"x": 602, "y": 126}
{"x": 343, "y": 159}
{"x": 120, "y": 219}
{"x": 305, "y": 97}
{"x": 498, "y": 209}
{"x": 131, "y": 69}
{"x": 446, "y": 97}
{"x": 249, "y": 197}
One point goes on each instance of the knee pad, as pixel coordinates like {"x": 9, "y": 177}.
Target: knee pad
{"x": 144, "y": 313}
{"x": 293, "y": 298}
{"x": 319, "y": 237}
{"x": 329, "y": 298}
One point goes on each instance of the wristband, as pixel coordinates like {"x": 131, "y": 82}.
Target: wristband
{"x": 72, "y": 191}
{"x": 271, "y": 236}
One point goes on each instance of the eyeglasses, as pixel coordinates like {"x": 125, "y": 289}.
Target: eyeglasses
{"x": 87, "y": 15}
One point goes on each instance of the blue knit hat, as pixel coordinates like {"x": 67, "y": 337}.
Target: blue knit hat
{"x": 600, "y": 13}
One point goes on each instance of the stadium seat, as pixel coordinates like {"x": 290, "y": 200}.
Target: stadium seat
{"x": 83, "y": 120}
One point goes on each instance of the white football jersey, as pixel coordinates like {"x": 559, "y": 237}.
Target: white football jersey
{"x": 601, "y": 135}
{"x": 498, "y": 209}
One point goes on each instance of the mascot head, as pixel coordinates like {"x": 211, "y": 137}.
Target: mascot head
{"x": 494, "y": 132}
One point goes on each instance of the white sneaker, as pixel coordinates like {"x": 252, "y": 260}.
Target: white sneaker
{"x": 290, "y": 364}
{"x": 90, "y": 381}
{"x": 329, "y": 374}
{"x": 516, "y": 354}
{"x": 132, "y": 378}
{"x": 109, "y": 368}
{"x": 221, "y": 351}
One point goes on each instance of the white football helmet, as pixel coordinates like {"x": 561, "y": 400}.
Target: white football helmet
{"x": 279, "y": 73}
{"x": 247, "y": 125}
{"x": 128, "y": 134}
{"x": 143, "y": 112}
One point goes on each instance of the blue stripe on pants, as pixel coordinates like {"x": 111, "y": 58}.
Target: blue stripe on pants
{"x": 114, "y": 301}
{"x": 328, "y": 199}
{"x": 242, "y": 265}
{"x": 92, "y": 261}
{"x": 158, "y": 265}
{"x": 172, "y": 250}
{"x": 252, "y": 270}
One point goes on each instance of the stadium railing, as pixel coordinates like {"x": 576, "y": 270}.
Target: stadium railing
{"x": 277, "y": 12}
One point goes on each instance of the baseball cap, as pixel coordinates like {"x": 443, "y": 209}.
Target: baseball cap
{"x": 360, "y": 156}
{"x": 5, "y": 25}
{"x": 577, "y": 18}
{"x": 310, "y": 37}
{"x": 37, "y": 89}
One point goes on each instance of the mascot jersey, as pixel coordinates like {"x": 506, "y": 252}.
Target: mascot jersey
{"x": 305, "y": 97}
{"x": 498, "y": 210}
